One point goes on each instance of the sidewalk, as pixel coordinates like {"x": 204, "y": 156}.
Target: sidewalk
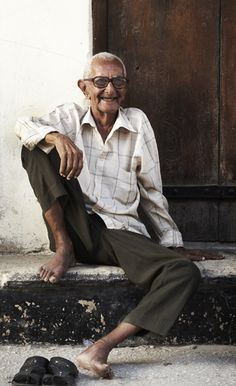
{"x": 155, "y": 366}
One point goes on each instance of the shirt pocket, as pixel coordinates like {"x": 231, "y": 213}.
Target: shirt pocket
{"x": 125, "y": 189}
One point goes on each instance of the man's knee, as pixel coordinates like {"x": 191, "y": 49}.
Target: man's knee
{"x": 28, "y": 157}
{"x": 24, "y": 156}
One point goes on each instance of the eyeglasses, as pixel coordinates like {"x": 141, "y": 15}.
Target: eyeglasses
{"x": 103, "y": 81}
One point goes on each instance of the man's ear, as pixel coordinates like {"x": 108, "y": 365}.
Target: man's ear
{"x": 82, "y": 85}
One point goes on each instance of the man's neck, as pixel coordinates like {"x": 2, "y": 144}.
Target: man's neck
{"x": 104, "y": 123}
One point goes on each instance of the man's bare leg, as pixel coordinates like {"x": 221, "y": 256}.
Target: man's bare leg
{"x": 54, "y": 269}
{"x": 95, "y": 357}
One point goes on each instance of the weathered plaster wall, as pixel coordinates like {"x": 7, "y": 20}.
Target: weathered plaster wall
{"x": 43, "y": 45}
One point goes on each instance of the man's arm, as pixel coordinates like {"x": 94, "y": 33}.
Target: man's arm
{"x": 64, "y": 119}
{"x": 71, "y": 156}
{"x": 58, "y": 129}
{"x": 153, "y": 202}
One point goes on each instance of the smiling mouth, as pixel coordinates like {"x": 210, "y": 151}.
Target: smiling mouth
{"x": 111, "y": 99}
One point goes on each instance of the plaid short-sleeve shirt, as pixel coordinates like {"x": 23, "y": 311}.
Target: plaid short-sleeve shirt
{"x": 119, "y": 174}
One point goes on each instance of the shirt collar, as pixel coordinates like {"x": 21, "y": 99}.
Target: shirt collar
{"x": 121, "y": 121}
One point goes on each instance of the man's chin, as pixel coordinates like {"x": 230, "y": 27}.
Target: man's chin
{"x": 110, "y": 109}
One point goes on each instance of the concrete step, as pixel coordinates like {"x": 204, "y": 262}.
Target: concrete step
{"x": 90, "y": 300}
{"x": 163, "y": 366}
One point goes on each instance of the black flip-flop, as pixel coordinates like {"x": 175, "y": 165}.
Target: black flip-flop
{"x": 61, "y": 372}
{"x": 31, "y": 372}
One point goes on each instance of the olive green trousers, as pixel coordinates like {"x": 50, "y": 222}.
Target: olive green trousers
{"x": 170, "y": 279}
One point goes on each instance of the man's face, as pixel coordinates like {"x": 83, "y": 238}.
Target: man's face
{"x": 107, "y": 99}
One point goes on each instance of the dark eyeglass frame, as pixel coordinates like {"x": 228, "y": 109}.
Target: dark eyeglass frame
{"x": 108, "y": 80}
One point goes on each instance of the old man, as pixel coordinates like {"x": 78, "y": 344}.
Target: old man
{"x": 90, "y": 170}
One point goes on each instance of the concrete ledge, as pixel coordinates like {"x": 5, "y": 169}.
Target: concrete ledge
{"x": 90, "y": 300}
{"x": 21, "y": 269}
{"x": 17, "y": 270}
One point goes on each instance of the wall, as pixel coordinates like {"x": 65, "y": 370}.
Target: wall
{"x": 43, "y": 45}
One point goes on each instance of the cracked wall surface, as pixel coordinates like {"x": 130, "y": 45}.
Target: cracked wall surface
{"x": 44, "y": 45}
{"x": 84, "y": 312}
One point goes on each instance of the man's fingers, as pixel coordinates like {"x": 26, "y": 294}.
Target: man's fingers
{"x": 76, "y": 172}
{"x": 71, "y": 157}
{"x": 204, "y": 255}
{"x": 63, "y": 156}
{"x": 79, "y": 167}
{"x": 69, "y": 163}
{"x": 74, "y": 164}
{"x": 198, "y": 254}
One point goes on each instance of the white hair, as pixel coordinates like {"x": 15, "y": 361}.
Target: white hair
{"x": 103, "y": 56}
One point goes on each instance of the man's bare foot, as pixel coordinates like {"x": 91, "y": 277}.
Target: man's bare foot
{"x": 94, "y": 359}
{"x": 55, "y": 268}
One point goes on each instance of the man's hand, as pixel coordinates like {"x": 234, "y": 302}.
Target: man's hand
{"x": 71, "y": 156}
{"x": 197, "y": 254}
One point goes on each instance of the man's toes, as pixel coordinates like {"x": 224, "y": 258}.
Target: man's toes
{"x": 107, "y": 372}
{"x": 53, "y": 279}
{"x": 48, "y": 275}
{"x": 41, "y": 271}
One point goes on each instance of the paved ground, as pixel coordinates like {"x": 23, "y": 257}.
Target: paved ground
{"x": 155, "y": 366}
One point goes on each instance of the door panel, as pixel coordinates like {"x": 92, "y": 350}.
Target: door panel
{"x": 227, "y": 172}
{"x": 181, "y": 66}
{"x": 173, "y": 70}
{"x": 228, "y": 93}
{"x": 195, "y": 212}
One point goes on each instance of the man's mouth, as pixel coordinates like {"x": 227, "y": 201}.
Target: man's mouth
{"x": 108, "y": 99}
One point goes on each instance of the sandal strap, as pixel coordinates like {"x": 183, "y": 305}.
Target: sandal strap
{"x": 31, "y": 372}
{"x": 35, "y": 361}
{"x": 57, "y": 380}
{"x": 27, "y": 379}
{"x": 61, "y": 366}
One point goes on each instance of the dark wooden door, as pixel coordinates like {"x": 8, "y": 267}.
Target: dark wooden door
{"x": 181, "y": 59}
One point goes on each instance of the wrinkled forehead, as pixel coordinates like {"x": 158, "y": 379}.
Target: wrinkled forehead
{"x": 102, "y": 67}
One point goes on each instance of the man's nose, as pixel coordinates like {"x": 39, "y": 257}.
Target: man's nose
{"x": 110, "y": 87}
